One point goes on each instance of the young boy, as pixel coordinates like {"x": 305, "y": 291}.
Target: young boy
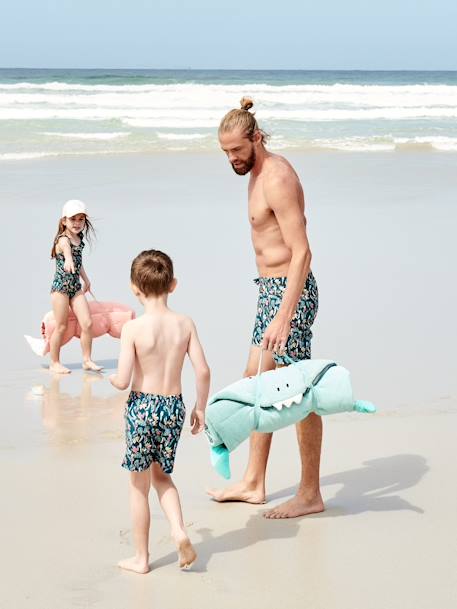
{"x": 153, "y": 348}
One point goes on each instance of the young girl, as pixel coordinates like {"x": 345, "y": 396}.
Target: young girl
{"x": 66, "y": 289}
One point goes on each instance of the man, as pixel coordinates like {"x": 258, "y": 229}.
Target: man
{"x": 288, "y": 299}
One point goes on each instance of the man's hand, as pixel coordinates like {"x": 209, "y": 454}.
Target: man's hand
{"x": 197, "y": 421}
{"x": 276, "y": 335}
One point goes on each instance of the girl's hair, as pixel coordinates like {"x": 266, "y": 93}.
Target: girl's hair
{"x": 88, "y": 232}
{"x": 241, "y": 118}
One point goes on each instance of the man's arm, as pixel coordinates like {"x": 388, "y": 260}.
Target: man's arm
{"x": 121, "y": 380}
{"x": 282, "y": 197}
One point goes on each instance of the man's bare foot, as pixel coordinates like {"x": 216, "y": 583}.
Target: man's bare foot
{"x": 90, "y": 365}
{"x": 134, "y": 564}
{"x": 297, "y": 506}
{"x": 186, "y": 554}
{"x": 58, "y": 368}
{"x": 242, "y": 491}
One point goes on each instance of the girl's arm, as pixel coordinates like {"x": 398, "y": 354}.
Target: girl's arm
{"x": 121, "y": 380}
{"x": 85, "y": 278}
{"x": 202, "y": 379}
{"x": 64, "y": 245}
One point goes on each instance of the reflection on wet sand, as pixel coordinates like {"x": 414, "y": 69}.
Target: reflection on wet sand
{"x": 80, "y": 418}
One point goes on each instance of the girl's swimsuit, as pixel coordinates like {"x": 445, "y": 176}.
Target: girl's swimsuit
{"x": 64, "y": 282}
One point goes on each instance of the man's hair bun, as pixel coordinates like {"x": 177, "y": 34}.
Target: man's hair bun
{"x": 246, "y": 103}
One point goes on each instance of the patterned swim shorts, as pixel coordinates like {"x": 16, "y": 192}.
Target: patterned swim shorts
{"x": 153, "y": 425}
{"x": 271, "y": 290}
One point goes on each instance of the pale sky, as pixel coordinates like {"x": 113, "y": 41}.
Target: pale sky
{"x": 256, "y": 34}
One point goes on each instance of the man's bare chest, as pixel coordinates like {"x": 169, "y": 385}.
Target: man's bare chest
{"x": 260, "y": 214}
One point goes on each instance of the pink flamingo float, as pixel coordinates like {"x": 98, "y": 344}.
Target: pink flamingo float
{"x": 107, "y": 318}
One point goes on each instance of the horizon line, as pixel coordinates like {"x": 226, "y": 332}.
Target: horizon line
{"x": 194, "y": 69}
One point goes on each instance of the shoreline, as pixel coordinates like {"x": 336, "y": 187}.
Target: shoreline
{"x": 399, "y": 149}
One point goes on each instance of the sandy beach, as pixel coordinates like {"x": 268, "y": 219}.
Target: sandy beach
{"x": 382, "y": 232}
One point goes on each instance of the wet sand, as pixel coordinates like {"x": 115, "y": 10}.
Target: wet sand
{"x": 381, "y": 229}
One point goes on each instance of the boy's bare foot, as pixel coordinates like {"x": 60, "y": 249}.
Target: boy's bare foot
{"x": 134, "y": 564}
{"x": 242, "y": 491}
{"x": 58, "y": 368}
{"x": 297, "y": 506}
{"x": 92, "y": 366}
{"x": 186, "y": 553}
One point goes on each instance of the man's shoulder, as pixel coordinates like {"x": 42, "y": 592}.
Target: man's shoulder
{"x": 280, "y": 178}
{"x": 278, "y": 170}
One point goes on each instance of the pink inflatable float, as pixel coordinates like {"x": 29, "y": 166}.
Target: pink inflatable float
{"x": 107, "y": 318}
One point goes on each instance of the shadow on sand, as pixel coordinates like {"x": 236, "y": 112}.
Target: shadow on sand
{"x": 372, "y": 487}
{"x": 257, "y": 529}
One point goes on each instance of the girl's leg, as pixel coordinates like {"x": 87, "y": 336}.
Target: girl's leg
{"x": 169, "y": 500}
{"x": 60, "y": 309}
{"x": 140, "y": 483}
{"x": 81, "y": 310}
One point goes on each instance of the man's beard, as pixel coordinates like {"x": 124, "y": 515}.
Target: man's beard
{"x": 246, "y": 165}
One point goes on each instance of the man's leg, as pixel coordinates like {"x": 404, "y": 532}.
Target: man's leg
{"x": 308, "y": 499}
{"x": 252, "y": 488}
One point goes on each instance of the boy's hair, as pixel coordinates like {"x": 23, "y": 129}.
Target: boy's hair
{"x": 152, "y": 272}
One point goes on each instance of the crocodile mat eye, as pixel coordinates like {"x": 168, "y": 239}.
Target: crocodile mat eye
{"x": 287, "y": 384}
{"x": 277, "y": 388}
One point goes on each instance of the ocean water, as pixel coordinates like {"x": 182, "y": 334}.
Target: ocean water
{"x": 62, "y": 112}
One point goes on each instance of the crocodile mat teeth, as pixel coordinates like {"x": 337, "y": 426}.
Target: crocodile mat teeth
{"x": 296, "y": 399}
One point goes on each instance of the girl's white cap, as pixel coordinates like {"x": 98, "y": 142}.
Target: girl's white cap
{"x": 73, "y": 207}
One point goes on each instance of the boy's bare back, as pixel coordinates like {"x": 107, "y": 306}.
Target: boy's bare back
{"x": 157, "y": 344}
{"x": 161, "y": 343}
